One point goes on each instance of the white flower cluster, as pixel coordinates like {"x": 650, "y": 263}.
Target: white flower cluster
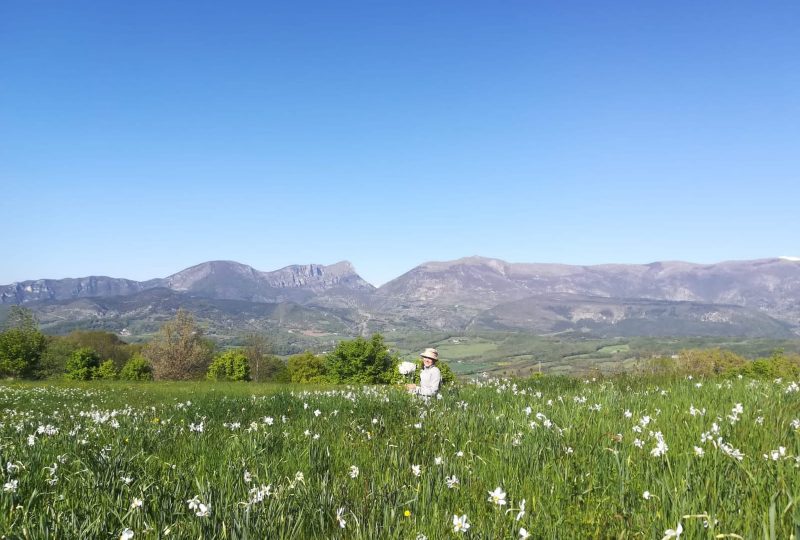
{"x": 405, "y": 368}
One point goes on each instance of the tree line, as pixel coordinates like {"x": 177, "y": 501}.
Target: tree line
{"x": 180, "y": 351}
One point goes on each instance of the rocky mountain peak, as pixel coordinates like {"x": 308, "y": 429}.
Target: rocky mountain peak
{"x": 316, "y": 276}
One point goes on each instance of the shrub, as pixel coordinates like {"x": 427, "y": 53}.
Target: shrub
{"x": 21, "y": 344}
{"x": 136, "y": 369}
{"x": 82, "y": 364}
{"x": 361, "y": 361}
{"x": 106, "y": 371}
{"x": 307, "y": 368}
{"x": 777, "y": 365}
{"x": 229, "y": 366}
{"x": 274, "y": 369}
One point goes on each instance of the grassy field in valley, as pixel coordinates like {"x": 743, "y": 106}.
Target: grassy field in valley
{"x": 520, "y": 354}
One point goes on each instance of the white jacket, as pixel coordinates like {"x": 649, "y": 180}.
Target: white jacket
{"x": 429, "y": 381}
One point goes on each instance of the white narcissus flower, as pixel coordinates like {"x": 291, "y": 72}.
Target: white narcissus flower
{"x": 673, "y": 533}
{"x": 451, "y": 481}
{"x": 498, "y": 497}
{"x": 127, "y": 534}
{"x": 406, "y": 367}
{"x": 354, "y": 472}
{"x": 340, "y": 517}
{"x": 523, "y": 534}
{"x": 460, "y": 523}
{"x": 203, "y": 510}
{"x": 646, "y": 495}
{"x": 521, "y": 510}
{"x": 137, "y": 503}
{"x": 775, "y": 455}
{"x": 416, "y": 470}
{"x": 11, "y": 486}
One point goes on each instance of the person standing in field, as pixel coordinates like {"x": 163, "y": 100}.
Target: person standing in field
{"x": 430, "y": 378}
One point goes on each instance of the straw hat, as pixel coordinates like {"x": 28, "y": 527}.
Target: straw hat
{"x": 430, "y": 353}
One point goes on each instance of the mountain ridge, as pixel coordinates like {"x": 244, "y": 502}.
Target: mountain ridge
{"x": 742, "y": 297}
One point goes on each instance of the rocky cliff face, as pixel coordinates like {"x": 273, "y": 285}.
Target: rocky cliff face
{"x": 317, "y": 277}
{"x": 63, "y": 289}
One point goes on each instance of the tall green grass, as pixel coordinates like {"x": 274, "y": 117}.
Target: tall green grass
{"x": 565, "y": 446}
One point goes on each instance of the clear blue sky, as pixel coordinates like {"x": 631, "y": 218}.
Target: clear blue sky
{"x": 140, "y": 138}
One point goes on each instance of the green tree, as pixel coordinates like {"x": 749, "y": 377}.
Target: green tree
{"x": 136, "y": 369}
{"x": 21, "y": 344}
{"x": 306, "y": 368}
{"x": 256, "y": 348}
{"x": 178, "y": 351}
{"x": 274, "y": 369}
{"x": 107, "y": 371}
{"x": 229, "y": 366}
{"x": 107, "y": 344}
{"x": 53, "y": 363}
{"x": 777, "y": 365}
{"x": 361, "y": 361}
{"x": 82, "y": 364}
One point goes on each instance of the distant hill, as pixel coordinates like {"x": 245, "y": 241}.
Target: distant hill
{"x": 759, "y": 298}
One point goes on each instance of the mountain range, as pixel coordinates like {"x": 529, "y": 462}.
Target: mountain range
{"x": 757, "y": 298}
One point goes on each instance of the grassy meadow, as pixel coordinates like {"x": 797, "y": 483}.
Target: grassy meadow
{"x": 550, "y": 458}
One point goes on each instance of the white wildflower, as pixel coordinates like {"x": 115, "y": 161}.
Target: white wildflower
{"x": 340, "y": 517}
{"x": 775, "y": 455}
{"x": 406, "y": 368}
{"x": 673, "y": 533}
{"x": 460, "y": 523}
{"x": 498, "y": 497}
{"x": 203, "y": 510}
{"x": 521, "y": 511}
